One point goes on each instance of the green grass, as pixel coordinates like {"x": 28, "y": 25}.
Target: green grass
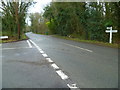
{"x": 88, "y": 41}
{"x": 23, "y": 37}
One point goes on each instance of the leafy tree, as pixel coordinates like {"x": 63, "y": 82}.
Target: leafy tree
{"x": 38, "y": 23}
{"x": 86, "y": 20}
{"x": 14, "y": 14}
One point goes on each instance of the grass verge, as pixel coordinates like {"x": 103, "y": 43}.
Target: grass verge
{"x": 23, "y": 37}
{"x": 89, "y": 41}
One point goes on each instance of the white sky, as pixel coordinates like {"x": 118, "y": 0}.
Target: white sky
{"x": 38, "y": 7}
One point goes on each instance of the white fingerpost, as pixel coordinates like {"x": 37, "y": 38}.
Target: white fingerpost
{"x": 110, "y": 31}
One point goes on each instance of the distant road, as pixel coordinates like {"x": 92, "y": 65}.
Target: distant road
{"x": 90, "y": 66}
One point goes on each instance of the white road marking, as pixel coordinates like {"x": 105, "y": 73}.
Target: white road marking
{"x": 0, "y": 44}
{"x": 45, "y": 55}
{"x": 49, "y": 60}
{"x": 35, "y": 44}
{"x": 78, "y": 47}
{"x": 54, "y": 66}
{"x": 13, "y": 48}
{"x": 30, "y": 46}
{"x": 62, "y": 75}
{"x": 59, "y": 72}
{"x": 41, "y": 51}
{"x": 72, "y": 86}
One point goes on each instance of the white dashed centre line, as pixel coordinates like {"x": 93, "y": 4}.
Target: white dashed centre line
{"x": 78, "y": 47}
{"x": 41, "y": 51}
{"x": 59, "y": 72}
{"x": 49, "y": 60}
{"x": 30, "y": 46}
{"x": 72, "y": 86}
{"x": 45, "y": 55}
{"x": 54, "y": 66}
{"x": 62, "y": 75}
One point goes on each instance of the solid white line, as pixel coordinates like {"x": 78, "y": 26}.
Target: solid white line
{"x": 45, "y": 55}
{"x": 54, "y": 66}
{"x": 49, "y": 60}
{"x": 72, "y": 86}
{"x": 30, "y": 46}
{"x": 62, "y": 75}
{"x": 78, "y": 47}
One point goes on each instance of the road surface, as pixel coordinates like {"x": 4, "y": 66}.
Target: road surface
{"x": 24, "y": 67}
{"x": 90, "y": 66}
{"x": 86, "y": 65}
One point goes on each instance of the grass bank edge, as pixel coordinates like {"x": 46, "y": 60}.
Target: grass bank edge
{"x": 89, "y": 41}
{"x": 24, "y": 37}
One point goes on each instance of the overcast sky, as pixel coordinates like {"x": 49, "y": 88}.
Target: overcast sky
{"x": 38, "y": 7}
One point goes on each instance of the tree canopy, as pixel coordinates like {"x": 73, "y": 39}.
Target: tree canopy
{"x": 38, "y": 23}
{"x": 13, "y": 17}
{"x": 85, "y": 20}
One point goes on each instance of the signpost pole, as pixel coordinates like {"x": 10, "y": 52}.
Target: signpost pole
{"x": 110, "y": 31}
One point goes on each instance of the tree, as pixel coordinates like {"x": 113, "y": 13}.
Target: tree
{"x": 14, "y": 14}
{"x": 38, "y": 23}
{"x": 84, "y": 20}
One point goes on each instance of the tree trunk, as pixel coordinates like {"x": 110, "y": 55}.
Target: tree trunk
{"x": 18, "y": 30}
{"x": 17, "y": 20}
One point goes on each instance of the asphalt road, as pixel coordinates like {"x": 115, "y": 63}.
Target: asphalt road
{"x": 90, "y": 66}
{"x": 24, "y": 67}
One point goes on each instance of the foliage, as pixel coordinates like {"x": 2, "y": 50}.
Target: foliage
{"x": 86, "y": 20}
{"x": 13, "y": 17}
{"x": 38, "y": 23}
